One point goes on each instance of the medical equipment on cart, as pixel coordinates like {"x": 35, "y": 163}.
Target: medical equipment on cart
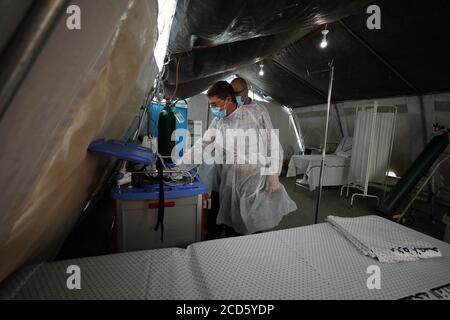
{"x": 150, "y": 192}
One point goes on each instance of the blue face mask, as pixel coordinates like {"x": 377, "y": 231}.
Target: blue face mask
{"x": 239, "y": 101}
{"x": 219, "y": 113}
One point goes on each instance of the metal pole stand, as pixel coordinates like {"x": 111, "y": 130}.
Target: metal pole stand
{"x": 330, "y": 88}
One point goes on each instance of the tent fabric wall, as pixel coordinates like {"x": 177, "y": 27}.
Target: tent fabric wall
{"x": 410, "y": 40}
{"x": 281, "y": 120}
{"x": 413, "y": 125}
{"x": 85, "y": 84}
{"x": 198, "y": 110}
{"x": 9, "y": 23}
{"x": 283, "y": 87}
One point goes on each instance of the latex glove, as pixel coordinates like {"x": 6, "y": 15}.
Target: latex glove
{"x": 272, "y": 184}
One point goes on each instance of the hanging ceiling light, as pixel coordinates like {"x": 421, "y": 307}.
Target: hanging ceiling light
{"x": 324, "y": 42}
{"x": 261, "y": 69}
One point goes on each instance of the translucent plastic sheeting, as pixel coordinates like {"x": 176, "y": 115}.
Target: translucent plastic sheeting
{"x": 369, "y": 63}
{"x": 200, "y": 23}
{"x": 84, "y": 85}
{"x": 190, "y": 89}
{"x": 216, "y": 37}
{"x": 206, "y": 62}
{"x": 242, "y": 169}
{"x": 166, "y": 13}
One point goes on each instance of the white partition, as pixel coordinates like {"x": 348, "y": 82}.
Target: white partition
{"x": 372, "y": 147}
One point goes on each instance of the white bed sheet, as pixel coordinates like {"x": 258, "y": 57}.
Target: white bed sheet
{"x": 335, "y": 170}
{"x": 312, "y": 262}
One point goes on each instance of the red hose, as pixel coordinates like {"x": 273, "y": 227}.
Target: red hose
{"x": 177, "y": 78}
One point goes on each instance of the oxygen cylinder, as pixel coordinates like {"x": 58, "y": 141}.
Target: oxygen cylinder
{"x": 166, "y": 126}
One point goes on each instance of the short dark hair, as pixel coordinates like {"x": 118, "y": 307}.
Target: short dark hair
{"x": 222, "y": 90}
{"x": 242, "y": 82}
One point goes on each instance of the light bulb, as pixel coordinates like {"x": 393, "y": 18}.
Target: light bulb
{"x": 324, "y": 42}
{"x": 261, "y": 70}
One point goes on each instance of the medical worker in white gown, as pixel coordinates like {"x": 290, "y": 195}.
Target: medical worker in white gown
{"x": 251, "y": 197}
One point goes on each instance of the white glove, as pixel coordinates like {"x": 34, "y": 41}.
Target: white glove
{"x": 272, "y": 183}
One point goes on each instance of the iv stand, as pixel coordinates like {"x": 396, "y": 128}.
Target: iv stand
{"x": 330, "y": 88}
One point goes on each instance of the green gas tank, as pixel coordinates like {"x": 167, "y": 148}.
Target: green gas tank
{"x": 166, "y": 126}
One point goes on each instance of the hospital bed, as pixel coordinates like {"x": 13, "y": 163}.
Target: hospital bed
{"x": 312, "y": 262}
{"x": 335, "y": 169}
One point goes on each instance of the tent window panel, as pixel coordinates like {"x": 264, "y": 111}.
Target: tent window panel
{"x": 312, "y": 124}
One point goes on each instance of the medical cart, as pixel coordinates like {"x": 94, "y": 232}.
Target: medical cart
{"x": 137, "y": 202}
{"x": 137, "y": 212}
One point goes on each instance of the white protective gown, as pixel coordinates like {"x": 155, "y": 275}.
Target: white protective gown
{"x": 244, "y": 204}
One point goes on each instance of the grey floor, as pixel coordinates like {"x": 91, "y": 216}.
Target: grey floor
{"x": 333, "y": 204}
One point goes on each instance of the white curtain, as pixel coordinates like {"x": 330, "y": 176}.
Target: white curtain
{"x": 371, "y": 146}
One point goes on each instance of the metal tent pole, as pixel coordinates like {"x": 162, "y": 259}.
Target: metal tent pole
{"x": 319, "y": 197}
